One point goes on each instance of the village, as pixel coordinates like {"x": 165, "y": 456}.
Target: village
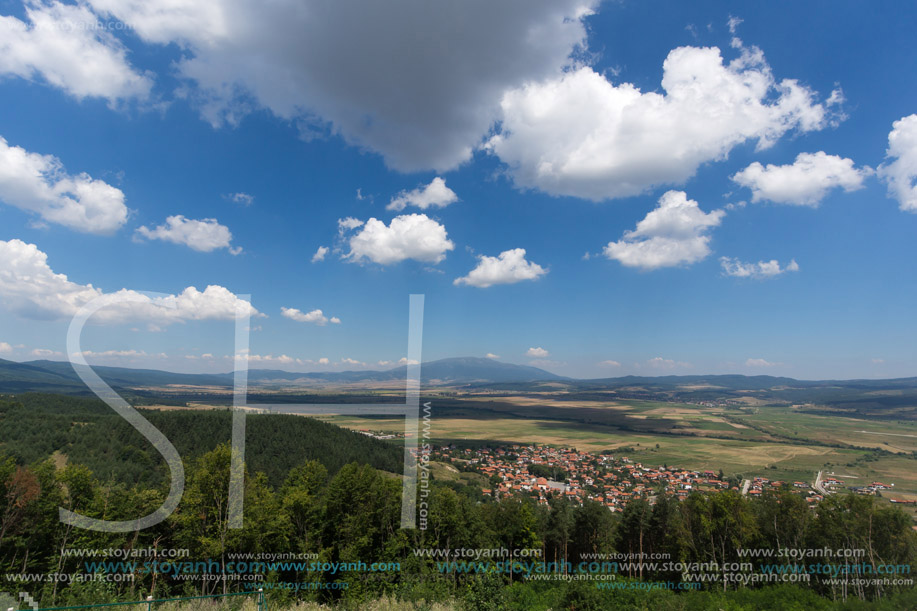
{"x": 541, "y": 472}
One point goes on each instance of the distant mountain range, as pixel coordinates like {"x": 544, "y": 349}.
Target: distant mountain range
{"x": 60, "y": 377}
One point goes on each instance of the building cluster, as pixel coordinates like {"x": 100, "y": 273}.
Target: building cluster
{"x": 872, "y": 488}
{"x": 759, "y": 485}
{"x": 542, "y": 472}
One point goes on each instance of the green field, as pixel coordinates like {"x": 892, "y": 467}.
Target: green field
{"x": 776, "y": 442}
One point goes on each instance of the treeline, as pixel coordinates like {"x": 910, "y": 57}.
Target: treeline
{"x": 354, "y": 516}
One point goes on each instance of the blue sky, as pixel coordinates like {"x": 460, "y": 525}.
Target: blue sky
{"x": 696, "y": 188}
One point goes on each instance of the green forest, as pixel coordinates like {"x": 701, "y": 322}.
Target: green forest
{"x": 33, "y": 426}
{"x": 333, "y": 497}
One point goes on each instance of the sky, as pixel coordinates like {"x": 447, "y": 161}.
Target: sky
{"x": 595, "y": 188}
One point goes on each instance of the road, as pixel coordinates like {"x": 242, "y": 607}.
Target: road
{"x": 891, "y": 434}
{"x": 818, "y": 487}
{"x": 745, "y": 484}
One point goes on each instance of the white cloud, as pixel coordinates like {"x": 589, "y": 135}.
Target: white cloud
{"x": 609, "y": 364}
{"x": 538, "y": 353}
{"x": 900, "y": 173}
{"x": 283, "y": 359}
{"x": 347, "y": 224}
{"x": 29, "y": 287}
{"x": 350, "y": 361}
{"x": 761, "y": 269}
{"x": 760, "y": 363}
{"x": 661, "y": 363}
{"x": 315, "y": 316}
{"x": 240, "y": 198}
{"x": 419, "y": 83}
{"x": 579, "y": 134}
{"x": 436, "y": 195}
{"x": 320, "y": 254}
{"x": 44, "y": 353}
{"x": 803, "y": 183}
{"x": 674, "y": 233}
{"x": 64, "y": 45}
{"x": 508, "y": 267}
{"x": 39, "y": 184}
{"x": 323, "y": 361}
{"x": 491, "y": 355}
{"x": 5, "y": 348}
{"x": 410, "y": 236}
{"x": 116, "y": 354}
{"x": 205, "y": 235}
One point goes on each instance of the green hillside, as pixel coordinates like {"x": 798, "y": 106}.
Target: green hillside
{"x": 34, "y": 426}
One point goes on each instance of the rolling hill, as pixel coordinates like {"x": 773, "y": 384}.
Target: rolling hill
{"x": 470, "y": 373}
{"x": 59, "y": 376}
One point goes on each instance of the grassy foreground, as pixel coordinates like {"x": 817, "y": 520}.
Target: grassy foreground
{"x": 524, "y": 599}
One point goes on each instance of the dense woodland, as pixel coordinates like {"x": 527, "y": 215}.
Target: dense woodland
{"x": 33, "y": 426}
{"x": 318, "y": 489}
